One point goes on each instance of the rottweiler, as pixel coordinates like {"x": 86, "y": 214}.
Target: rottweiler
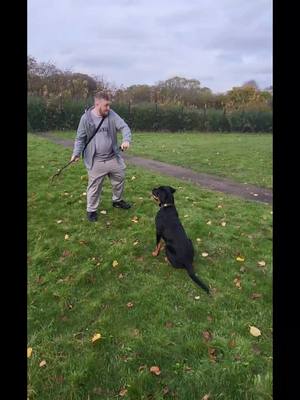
{"x": 179, "y": 248}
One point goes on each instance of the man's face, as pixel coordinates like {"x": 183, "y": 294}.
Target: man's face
{"x": 102, "y": 106}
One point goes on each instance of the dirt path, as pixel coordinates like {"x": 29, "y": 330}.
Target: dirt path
{"x": 249, "y": 192}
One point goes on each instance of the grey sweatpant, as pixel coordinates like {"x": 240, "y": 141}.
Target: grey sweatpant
{"x": 116, "y": 173}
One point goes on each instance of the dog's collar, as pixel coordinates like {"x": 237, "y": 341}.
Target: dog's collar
{"x": 166, "y": 205}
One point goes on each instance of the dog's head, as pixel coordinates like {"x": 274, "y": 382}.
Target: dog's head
{"x": 163, "y": 194}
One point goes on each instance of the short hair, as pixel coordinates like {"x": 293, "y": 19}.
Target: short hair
{"x": 102, "y": 95}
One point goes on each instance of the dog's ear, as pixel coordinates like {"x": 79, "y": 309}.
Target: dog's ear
{"x": 172, "y": 189}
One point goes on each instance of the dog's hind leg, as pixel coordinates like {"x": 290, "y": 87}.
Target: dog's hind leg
{"x": 157, "y": 249}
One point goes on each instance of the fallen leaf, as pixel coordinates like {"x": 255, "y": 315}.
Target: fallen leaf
{"x": 241, "y": 259}
{"x": 103, "y": 212}
{"x": 84, "y": 194}
{"x": 123, "y": 392}
{"x": 185, "y": 216}
{"x": 261, "y": 263}
{"x": 207, "y": 336}
{"x": 204, "y": 254}
{"x": 169, "y": 324}
{"x": 83, "y": 242}
{"x": 212, "y": 353}
{"x": 223, "y": 223}
{"x": 197, "y": 297}
{"x": 254, "y": 331}
{"x": 198, "y": 240}
{"x": 255, "y": 296}
{"x": 66, "y": 253}
{"x": 59, "y": 221}
{"x": 129, "y": 305}
{"x": 136, "y": 242}
{"x": 133, "y": 178}
{"x": 155, "y": 370}
{"x": 67, "y": 237}
{"x": 135, "y": 219}
{"x": 208, "y": 222}
{"x": 237, "y": 282}
{"x": 232, "y": 343}
{"x": 115, "y": 263}
{"x": 42, "y": 363}
{"x": 121, "y": 276}
{"x": 96, "y": 337}
{"x": 206, "y": 397}
{"x": 220, "y": 206}
{"x": 29, "y": 352}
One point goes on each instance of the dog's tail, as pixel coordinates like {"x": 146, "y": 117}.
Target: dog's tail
{"x": 192, "y": 275}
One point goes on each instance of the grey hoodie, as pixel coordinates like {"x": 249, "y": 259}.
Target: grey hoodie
{"x": 86, "y": 129}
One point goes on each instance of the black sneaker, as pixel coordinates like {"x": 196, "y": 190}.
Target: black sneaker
{"x": 121, "y": 204}
{"x": 92, "y": 216}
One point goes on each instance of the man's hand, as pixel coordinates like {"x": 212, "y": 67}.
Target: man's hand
{"x": 125, "y": 145}
{"x": 75, "y": 158}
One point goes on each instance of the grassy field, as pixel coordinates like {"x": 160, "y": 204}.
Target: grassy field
{"x": 147, "y": 313}
{"x": 240, "y": 157}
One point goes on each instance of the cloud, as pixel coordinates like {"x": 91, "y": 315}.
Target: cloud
{"x": 221, "y": 43}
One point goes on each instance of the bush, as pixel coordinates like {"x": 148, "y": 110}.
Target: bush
{"x": 44, "y": 115}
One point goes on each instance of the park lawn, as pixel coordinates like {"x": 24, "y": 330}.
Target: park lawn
{"x": 245, "y": 158}
{"x": 201, "y": 344}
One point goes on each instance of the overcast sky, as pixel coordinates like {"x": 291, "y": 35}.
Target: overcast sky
{"x": 223, "y": 43}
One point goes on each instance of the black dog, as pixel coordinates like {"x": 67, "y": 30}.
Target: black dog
{"x": 179, "y": 248}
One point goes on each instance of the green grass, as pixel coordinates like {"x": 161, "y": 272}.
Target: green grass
{"x": 74, "y": 292}
{"x": 240, "y": 157}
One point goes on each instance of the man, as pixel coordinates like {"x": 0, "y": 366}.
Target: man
{"x": 102, "y": 155}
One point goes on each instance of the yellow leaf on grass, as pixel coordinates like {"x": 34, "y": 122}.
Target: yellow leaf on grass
{"x": 42, "y": 363}
{"x": 133, "y": 178}
{"x": 237, "y": 282}
{"x": 223, "y": 223}
{"x": 206, "y": 397}
{"x": 198, "y": 240}
{"x": 67, "y": 237}
{"x": 155, "y": 370}
{"x": 115, "y": 263}
{"x": 123, "y": 392}
{"x": 135, "y": 219}
{"x": 255, "y": 331}
{"x": 261, "y": 263}
{"x": 29, "y": 352}
{"x": 208, "y": 222}
{"x": 103, "y": 212}
{"x": 204, "y": 254}
{"x": 241, "y": 259}
{"x": 96, "y": 337}
{"x": 59, "y": 221}
{"x": 135, "y": 243}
